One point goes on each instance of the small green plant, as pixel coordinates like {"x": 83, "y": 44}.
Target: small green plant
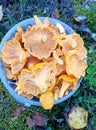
{"x": 90, "y": 77}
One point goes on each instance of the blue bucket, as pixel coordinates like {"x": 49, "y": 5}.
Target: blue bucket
{"x": 10, "y": 85}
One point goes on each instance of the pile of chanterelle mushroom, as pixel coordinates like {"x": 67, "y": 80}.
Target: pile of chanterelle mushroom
{"x": 45, "y": 61}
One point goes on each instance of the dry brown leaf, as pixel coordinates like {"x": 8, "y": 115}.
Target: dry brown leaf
{"x": 30, "y": 122}
{"x": 1, "y": 12}
{"x": 40, "y": 118}
{"x": 37, "y": 120}
{"x": 17, "y": 112}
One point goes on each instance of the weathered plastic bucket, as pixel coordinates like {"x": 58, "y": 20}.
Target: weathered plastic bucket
{"x": 10, "y": 84}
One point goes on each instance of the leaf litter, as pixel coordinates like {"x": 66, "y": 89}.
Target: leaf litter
{"x": 30, "y": 122}
{"x": 37, "y": 120}
{"x": 17, "y": 112}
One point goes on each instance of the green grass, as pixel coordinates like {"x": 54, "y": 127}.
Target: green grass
{"x": 85, "y": 96}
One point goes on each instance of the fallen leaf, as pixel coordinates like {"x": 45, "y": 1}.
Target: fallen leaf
{"x": 17, "y": 113}
{"x": 39, "y": 118}
{"x": 30, "y": 122}
{"x": 55, "y": 13}
{"x": 1, "y": 12}
{"x": 77, "y": 118}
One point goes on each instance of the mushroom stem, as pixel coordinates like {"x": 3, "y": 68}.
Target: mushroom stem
{"x": 44, "y": 39}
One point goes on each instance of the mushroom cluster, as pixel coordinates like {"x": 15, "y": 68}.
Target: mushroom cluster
{"x": 45, "y": 61}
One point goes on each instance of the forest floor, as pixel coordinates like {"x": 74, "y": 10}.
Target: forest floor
{"x": 15, "y": 11}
